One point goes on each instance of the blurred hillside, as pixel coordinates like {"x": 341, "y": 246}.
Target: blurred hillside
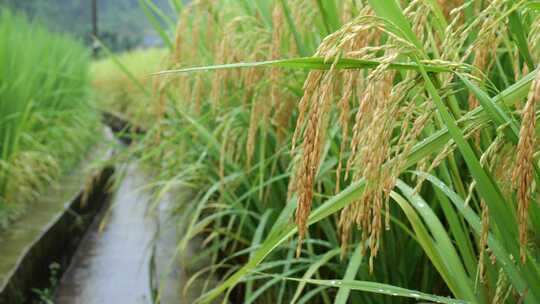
{"x": 122, "y": 23}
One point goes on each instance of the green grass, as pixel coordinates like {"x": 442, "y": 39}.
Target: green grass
{"x": 46, "y": 124}
{"x": 231, "y": 98}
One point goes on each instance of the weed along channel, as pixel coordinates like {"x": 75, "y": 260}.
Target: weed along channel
{"x": 269, "y": 151}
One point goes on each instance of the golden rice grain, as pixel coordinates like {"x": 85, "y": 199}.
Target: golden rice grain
{"x": 522, "y": 176}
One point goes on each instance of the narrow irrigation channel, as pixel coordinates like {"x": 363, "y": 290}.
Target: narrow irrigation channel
{"x": 112, "y": 263}
{"x": 123, "y": 249}
{"x": 128, "y": 254}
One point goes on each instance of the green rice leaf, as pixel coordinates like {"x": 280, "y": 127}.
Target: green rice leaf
{"x": 380, "y": 288}
{"x": 311, "y": 63}
{"x": 350, "y": 274}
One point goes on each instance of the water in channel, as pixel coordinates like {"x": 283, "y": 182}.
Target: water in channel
{"x": 112, "y": 263}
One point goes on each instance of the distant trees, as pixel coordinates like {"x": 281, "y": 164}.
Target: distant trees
{"x": 122, "y": 23}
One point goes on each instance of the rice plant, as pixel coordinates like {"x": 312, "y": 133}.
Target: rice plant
{"x": 44, "y": 116}
{"x": 126, "y": 94}
{"x": 362, "y": 151}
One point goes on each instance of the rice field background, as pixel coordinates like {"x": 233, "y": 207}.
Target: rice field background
{"x": 46, "y": 124}
{"x": 336, "y": 151}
